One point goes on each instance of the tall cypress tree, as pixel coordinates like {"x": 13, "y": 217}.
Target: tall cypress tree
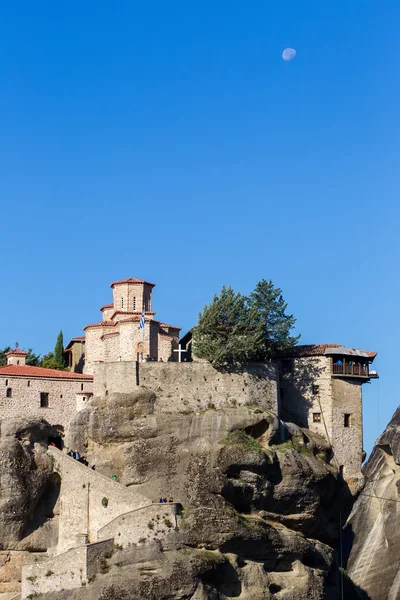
{"x": 59, "y": 351}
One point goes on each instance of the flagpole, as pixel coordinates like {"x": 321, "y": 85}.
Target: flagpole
{"x": 144, "y": 323}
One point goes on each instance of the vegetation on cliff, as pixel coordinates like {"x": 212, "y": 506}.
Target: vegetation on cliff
{"x": 235, "y": 329}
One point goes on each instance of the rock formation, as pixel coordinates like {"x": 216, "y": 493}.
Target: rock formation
{"x": 260, "y": 518}
{"x": 373, "y": 529}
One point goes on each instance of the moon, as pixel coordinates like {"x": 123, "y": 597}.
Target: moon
{"x": 289, "y": 54}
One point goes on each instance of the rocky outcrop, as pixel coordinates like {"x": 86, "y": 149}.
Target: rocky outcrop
{"x": 372, "y": 532}
{"x": 29, "y": 488}
{"x": 260, "y": 518}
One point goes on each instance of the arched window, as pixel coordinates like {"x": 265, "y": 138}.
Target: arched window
{"x": 17, "y": 362}
{"x": 9, "y": 393}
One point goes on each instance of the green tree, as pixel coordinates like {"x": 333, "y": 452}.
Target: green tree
{"x": 32, "y": 359}
{"x": 59, "y": 351}
{"x": 48, "y": 362}
{"x": 3, "y": 357}
{"x": 269, "y": 312}
{"x": 224, "y": 334}
{"x": 236, "y": 329}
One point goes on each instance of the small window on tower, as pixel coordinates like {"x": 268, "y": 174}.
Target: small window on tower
{"x": 29, "y": 384}
{"x": 44, "y": 399}
{"x": 347, "y": 420}
{"x": 315, "y": 389}
{"x": 134, "y": 303}
{"x": 316, "y": 417}
{"x": 287, "y": 366}
{"x": 81, "y": 387}
{"x": 9, "y": 393}
{"x": 17, "y": 362}
{"x": 6, "y": 381}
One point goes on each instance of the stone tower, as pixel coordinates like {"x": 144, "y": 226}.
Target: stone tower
{"x": 118, "y": 336}
{"x": 321, "y": 389}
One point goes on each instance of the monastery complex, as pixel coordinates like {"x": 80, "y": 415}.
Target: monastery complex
{"x": 318, "y": 387}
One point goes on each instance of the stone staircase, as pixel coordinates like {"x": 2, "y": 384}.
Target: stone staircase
{"x": 95, "y": 514}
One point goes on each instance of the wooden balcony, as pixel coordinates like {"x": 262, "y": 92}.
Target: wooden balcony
{"x": 353, "y": 370}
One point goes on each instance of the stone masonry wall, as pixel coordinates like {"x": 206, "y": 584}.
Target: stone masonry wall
{"x": 82, "y": 492}
{"x": 145, "y": 524}
{"x": 11, "y": 563}
{"x": 192, "y": 386}
{"x": 347, "y": 441}
{"x": 300, "y": 400}
{"x": 25, "y": 400}
{"x": 66, "y": 571}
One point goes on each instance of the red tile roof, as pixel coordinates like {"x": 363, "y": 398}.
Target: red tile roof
{"x": 107, "y": 335}
{"x": 107, "y": 306}
{"x": 170, "y": 326}
{"x": 28, "y": 371}
{"x": 131, "y": 280}
{"x": 17, "y": 352}
{"x": 319, "y": 350}
{"x": 100, "y": 324}
{"x": 80, "y": 338}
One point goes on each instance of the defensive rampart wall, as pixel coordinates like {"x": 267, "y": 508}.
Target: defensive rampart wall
{"x": 191, "y": 386}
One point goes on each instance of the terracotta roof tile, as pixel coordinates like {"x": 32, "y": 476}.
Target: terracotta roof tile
{"x": 28, "y": 371}
{"x": 107, "y": 335}
{"x": 131, "y": 280}
{"x": 107, "y": 306}
{"x": 100, "y": 324}
{"x": 317, "y": 350}
{"x": 170, "y": 326}
{"x": 17, "y": 352}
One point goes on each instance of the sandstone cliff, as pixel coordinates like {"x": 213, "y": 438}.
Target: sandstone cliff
{"x": 373, "y": 529}
{"x": 259, "y": 520}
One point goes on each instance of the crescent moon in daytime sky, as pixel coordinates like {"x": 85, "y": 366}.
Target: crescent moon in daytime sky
{"x": 289, "y": 54}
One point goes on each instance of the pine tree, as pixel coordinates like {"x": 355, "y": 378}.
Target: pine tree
{"x": 59, "y": 351}
{"x": 269, "y": 312}
{"x": 223, "y": 335}
{"x": 3, "y": 357}
{"x": 32, "y": 359}
{"x": 234, "y": 329}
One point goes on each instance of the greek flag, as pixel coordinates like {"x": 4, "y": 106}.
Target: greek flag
{"x": 141, "y": 324}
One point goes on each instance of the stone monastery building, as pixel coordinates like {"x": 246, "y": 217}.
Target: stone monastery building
{"x": 27, "y": 391}
{"x": 317, "y": 387}
{"x": 117, "y": 337}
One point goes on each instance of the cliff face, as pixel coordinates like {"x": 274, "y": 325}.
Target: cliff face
{"x": 374, "y": 525}
{"x": 259, "y": 518}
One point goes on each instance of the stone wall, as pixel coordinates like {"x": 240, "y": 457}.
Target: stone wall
{"x": 66, "y": 571}
{"x": 88, "y": 500}
{"x": 311, "y": 390}
{"x": 144, "y": 524}
{"x": 25, "y": 399}
{"x": 11, "y": 563}
{"x": 307, "y": 390}
{"x": 191, "y": 386}
{"x": 347, "y": 441}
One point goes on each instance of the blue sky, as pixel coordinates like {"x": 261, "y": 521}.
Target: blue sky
{"x": 169, "y": 141}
